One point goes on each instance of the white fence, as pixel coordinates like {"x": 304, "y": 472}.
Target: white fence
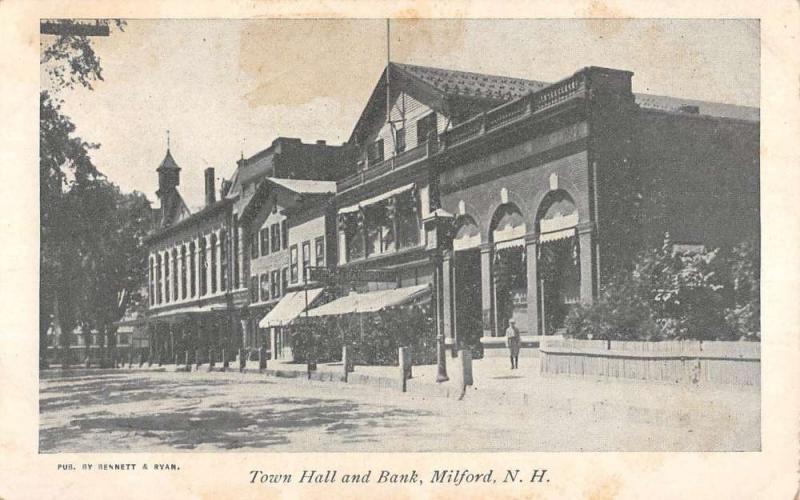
{"x": 731, "y": 363}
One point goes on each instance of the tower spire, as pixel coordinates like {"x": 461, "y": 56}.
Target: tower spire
{"x": 167, "y": 139}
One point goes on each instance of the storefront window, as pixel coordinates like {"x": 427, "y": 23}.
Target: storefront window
{"x": 354, "y": 237}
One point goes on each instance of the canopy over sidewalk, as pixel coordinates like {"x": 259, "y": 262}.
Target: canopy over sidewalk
{"x": 289, "y": 307}
{"x": 372, "y": 301}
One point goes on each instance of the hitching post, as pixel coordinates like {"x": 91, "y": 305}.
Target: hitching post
{"x": 404, "y": 358}
{"x": 346, "y": 362}
{"x": 465, "y": 370}
{"x": 242, "y": 359}
{"x": 224, "y": 360}
{"x": 262, "y": 358}
{"x": 196, "y": 359}
{"x": 188, "y": 367}
{"x": 210, "y": 359}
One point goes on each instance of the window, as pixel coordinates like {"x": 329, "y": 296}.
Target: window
{"x": 425, "y": 126}
{"x": 193, "y": 278}
{"x": 306, "y": 258}
{"x": 223, "y": 262}
{"x": 183, "y": 271}
{"x": 293, "y": 263}
{"x": 354, "y": 238}
{"x": 214, "y": 263}
{"x": 375, "y": 151}
{"x": 275, "y": 284}
{"x": 158, "y": 278}
{"x": 254, "y": 289}
{"x": 203, "y": 267}
{"x": 284, "y": 234}
{"x": 166, "y": 277}
{"x": 275, "y": 233}
{"x": 175, "y": 276}
{"x": 264, "y": 287}
{"x": 264, "y": 241}
{"x": 319, "y": 250}
{"x": 235, "y": 251}
{"x": 284, "y": 280}
{"x": 407, "y": 220}
{"x": 400, "y": 140}
{"x": 151, "y": 282}
{"x": 254, "y": 246}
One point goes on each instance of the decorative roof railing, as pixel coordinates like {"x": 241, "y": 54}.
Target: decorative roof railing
{"x": 512, "y": 111}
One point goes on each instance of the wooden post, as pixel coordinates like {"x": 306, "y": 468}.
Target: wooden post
{"x": 242, "y": 359}
{"x": 404, "y": 365}
{"x": 262, "y": 358}
{"x": 210, "y": 359}
{"x": 197, "y": 359}
{"x": 141, "y": 357}
{"x": 224, "y": 360}
{"x": 464, "y": 370}
{"x": 347, "y": 362}
{"x": 186, "y": 361}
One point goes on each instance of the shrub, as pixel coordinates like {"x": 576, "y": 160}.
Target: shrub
{"x": 673, "y": 295}
{"x": 374, "y": 338}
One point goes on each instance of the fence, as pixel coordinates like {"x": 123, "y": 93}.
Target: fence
{"x": 717, "y": 362}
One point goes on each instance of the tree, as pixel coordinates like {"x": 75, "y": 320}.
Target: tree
{"x": 66, "y": 172}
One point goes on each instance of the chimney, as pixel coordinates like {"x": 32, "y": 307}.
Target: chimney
{"x": 692, "y": 110}
{"x": 321, "y": 142}
{"x": 210, "y": 194}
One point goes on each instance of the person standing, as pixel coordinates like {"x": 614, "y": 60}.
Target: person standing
{"x": 512, "y": 340}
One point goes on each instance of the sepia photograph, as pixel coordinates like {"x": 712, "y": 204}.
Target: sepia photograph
{"x": 399, "y": 235}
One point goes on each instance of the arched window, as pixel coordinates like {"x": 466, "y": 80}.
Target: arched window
{"x": 158, "y": 278}
{"x": 150, "y": 281}
{"x": 183, "y": 271}
{"x": 508, "y": 226}
{"x": 192, "y": 272}
{"x": 175, "y": 277}
{"x": 223, "y": 262}
{"x": 557, "y": 217}
{"x": 467, "y": 234}
{"x": 167, "y": 282}
{"x": 213, "y": 262}
{"x": 203, "y": 266}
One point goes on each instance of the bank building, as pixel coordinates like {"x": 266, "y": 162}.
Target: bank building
{"x": 485, "y": 197}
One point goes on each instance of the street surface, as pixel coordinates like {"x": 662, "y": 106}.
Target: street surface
{"x": 167, "y": 411}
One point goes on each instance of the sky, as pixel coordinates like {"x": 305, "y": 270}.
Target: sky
{"x": 227, "y": 87}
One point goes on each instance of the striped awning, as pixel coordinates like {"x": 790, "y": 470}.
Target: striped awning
{"x": 372, "y": 301}
{"x": 376, "y": 199}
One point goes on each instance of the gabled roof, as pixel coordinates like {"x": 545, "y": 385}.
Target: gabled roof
{"x": 168, "y": 162}
{"x": 304, "y": 186}
{"x": 468, "y": 84}
{"x": 299, "y": 188}
{"x": 436, "y": 87}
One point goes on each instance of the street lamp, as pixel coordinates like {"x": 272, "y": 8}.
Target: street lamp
{"x": 437, "y": 229}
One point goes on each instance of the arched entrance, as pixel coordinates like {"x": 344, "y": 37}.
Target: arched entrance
{"x": 467, "y": 285}
{"x": 509, "y": 272}
{"x": 558, "y": 265}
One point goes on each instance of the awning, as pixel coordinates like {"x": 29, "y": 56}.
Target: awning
{"x": 509, "y": 233}
{"x": 289, "y": 307}
{"x": 556, "y": 235}
{"x": 371, "y": 301}
{"x": 519, "y": 242}
{"x": 558, "y": 223}
{"x": 466, "y": 242}
{"x": 376, "y": 199}
{"x": 186, "y": 311}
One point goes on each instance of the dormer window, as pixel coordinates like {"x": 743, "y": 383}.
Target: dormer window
{"x": 425, "y": 126}
{"x": 400, "y": 140}
{"x": 375, "y": 152}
